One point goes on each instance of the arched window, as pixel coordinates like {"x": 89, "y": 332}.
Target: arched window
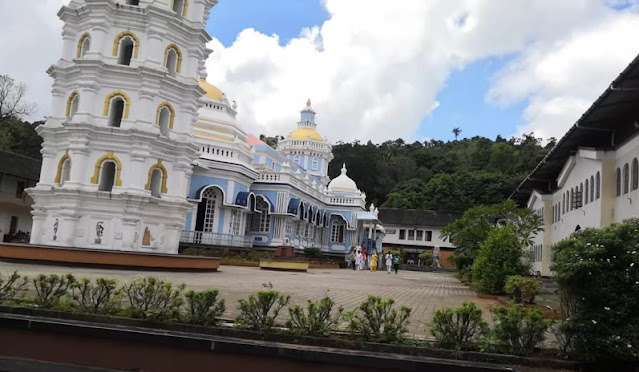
{"x": 72, "y": 103}
{"x": 618, "y": 176}
{"x": 626, "y": 178}
{"x": 315, "y": 164}
{"x": 126, "y": 46}
{"x": 156, "y": 179}
{"x": 635, "y": 174}
{"x": 338, "y": 229}
{"x": 580, "y": 196}
{"x": 165, "y": 117}
{"x": 116, "y": 107}
{"x": 297, "y": 159}
{"x": 563, "y": 203}
{"x": 592, "y": 188}
{"x": 84, "y": 43}
{"x": 64, "y": 169}
{"x": 173, "y": 59}
{"x": 107, "y": 176}
{"x": 261, "y": 219}
{"x": 586, "y": 192}
{"x": 133, "y": 2}
{"x": 180, "y": 7}
{"x": 572, "y": 198}
{"x": 209, "y": 197}
{"x": 597, "y": 185}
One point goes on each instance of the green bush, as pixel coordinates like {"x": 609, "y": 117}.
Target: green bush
{"x": 517, "y": 330}
{"x": 458, "y": 328}
{"x": 11, "y": 287}
{"x": 255, "y": 311}
{"x": 426, "y": 259}
{"x": 317, "y": 320}
{"x": 598, "y": 275}
{"x": 99, "y": 297}
{"x": 376, "y": 320}
{"x": 50, "y": 290}
{"x": 313, "y": 253}
{"x": 395, "y": 253}
{"x": 151, "y": 298}
{"x": 499, "y": 256}
{"x": 204, "y": 307}
{"x": 522, "y": 289}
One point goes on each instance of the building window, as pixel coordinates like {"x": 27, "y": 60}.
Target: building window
{"x": 598, "y": 185}
{"x": 180, "y": 7}
{"x": 635, "y": 174}
{"x": 72, "y": 103}
{"x": 209, "y": 196}
{"x": 84, "y": 43}
{"x": 411, "y": 234}
{"x": 429, "y": 236}
{"x": 289, "y": 228}
{"x": 297, "y": 159}
{"x": 173, "y": 59}
{"x": 420, "y": 235}
{"x": 133, "y": 2}
{"x": 261, "y": 219}
{"x": 626, "y": 178}
{"x": 337, "y": 230}
{"x": 20, "y": 189}
{"x": 116, "y": 108}
{"x": 65, "y": 175}
{"x": 235, "y": 222}
{"x": 586, "y": 192}
{"x": 164, "y": 117}
{"x": 107, "y": 176}
{"x": 402, "y": 234}
{"x": 315, "y": 164}
{"x": 125, "y": 53}
{"x": 618, "y": 181}
{"x": 156, "y": 183}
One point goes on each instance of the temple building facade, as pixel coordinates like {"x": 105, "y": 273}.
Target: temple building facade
{"x": 141, "y": 153}
{"x": 590, "y": 179}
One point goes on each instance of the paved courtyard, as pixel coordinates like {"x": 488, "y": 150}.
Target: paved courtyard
{"x": 423, "y": 292}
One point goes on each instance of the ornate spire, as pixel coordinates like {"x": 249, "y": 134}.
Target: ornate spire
{"x": 344, "y": 168}
{"x": 308, "y": 103}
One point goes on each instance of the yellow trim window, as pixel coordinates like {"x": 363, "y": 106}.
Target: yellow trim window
{"x": 173, "y": 59}
{"x": 84, "y": 43}
{"x": 157, "y": 178}
{"x": 72, "y": 103}
{"x": 99, "y": 171}
{"x": 64, "y": 168}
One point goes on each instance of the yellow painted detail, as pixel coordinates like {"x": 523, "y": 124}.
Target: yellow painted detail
{"x": 179, "y": 56}
{"x": 211, "y": 136}
{"x": 284, "y": 265}
{"x": 171, "y": 115}
{"x": 125, "y": 97}
{"x": 165, "y": 176}
{"x": 185, "y": 7}
{"x": 72, "y": 97}
{"x": 212, "y": 91}
{"x": 118, "y": 168}
{"x": 58, "y": 175}
{"x": 80, "y": 42}
{"x": 118, "y": 38}
{"x": 305, "y": 133}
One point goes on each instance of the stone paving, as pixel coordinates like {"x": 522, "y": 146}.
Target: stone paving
{"x": 422, "y": 291}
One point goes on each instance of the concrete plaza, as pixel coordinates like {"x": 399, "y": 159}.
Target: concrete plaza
{"x": 423, "y": 292}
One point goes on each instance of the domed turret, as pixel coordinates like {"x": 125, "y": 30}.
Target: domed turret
{"x": 343, "y": 184}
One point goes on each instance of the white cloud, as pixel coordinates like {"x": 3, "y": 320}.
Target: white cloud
{"x": 374, "y": 68}
{"x": 561, "y": 78}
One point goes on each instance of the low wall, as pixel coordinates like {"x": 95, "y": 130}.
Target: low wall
{"x": 119, "y": 259}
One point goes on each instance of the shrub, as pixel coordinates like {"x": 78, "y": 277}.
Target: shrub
{"x": 204, "y": 307}
{"x": 426, "y": 259}
{"x": 598, "y": 275}
{"x": 316, "y": 321}
{"x": 522, "y": 289}
{"x": 458, "y": 328}
{"x": 517, "y": 330}
{"x": 51, "y": 289}
{"x": 376, "y": 320}
{"x": 99, "y": 297}
{"x": 499, "y": 256}
{"x": 255, "y": 311}
{"x": 395, "y": 253}
{"x": 11, "y": 287}
{"x": 151, "y": 298}
{"x": 313, "y": 253}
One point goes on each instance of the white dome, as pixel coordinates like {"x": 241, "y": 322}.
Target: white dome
{"x": 343, "y": 184}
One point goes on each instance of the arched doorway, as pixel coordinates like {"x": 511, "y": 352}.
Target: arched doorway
{"x": 208, "y": 210}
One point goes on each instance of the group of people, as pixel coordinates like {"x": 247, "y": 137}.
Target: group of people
{"x": 358, "y": 261}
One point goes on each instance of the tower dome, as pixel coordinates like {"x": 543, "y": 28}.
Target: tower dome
{"x": 343, "y": 184}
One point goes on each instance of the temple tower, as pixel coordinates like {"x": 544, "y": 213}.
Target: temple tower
{"x": 306, "y": 147}
{"x": 118, "y": 145}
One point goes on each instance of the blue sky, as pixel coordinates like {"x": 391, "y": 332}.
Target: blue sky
{"x": 287, "y": 18}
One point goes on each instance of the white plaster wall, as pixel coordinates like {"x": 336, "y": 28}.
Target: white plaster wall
{"x": 436, "y": 241}
{"x": 627, "y": 205}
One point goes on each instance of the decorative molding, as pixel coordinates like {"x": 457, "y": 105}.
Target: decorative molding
{"x": 120, "y": 36}
{"x": 80, "y": 42}
{"x": 165, "y": 176}
{"x": 125, "y": 97}
{"x": 171, "y": 113}
{"x": 118, "y": 168}
{"x": 58, "y": 175}
{"x": 173, "y": 46}
{"x": 70, "y": 100}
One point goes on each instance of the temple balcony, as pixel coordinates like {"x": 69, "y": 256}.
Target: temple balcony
{"x": 202, "y": 238}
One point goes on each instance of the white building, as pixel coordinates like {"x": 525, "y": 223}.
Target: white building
{"x": 416, "y": 231}
{"x": 591, "y": 177}
{"x": 17, "y": 173}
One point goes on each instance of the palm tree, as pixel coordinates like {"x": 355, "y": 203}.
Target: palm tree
{"x": 456, "y": 132}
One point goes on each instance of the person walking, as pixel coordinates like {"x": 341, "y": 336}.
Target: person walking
{"x": 358, "y": 260}
{"x": 352, "y": 259}
{"x": 374, "y": 262}
{"x": 396, "y": 263}
{"x": 389, "y": 262}
{"x": 364, "y": 262}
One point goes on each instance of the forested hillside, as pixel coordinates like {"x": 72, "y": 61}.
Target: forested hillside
{"x": 446, "y": 176}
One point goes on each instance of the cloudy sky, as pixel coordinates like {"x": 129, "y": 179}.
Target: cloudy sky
{"x": 379, "y": 69}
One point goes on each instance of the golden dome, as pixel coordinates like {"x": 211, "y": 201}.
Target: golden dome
{"x": 212, "y": 91}
{"x": 305, "y": 133}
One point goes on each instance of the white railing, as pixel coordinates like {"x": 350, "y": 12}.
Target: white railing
{"x": 220, "y": 153}
{"x": 220, "y": 240}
